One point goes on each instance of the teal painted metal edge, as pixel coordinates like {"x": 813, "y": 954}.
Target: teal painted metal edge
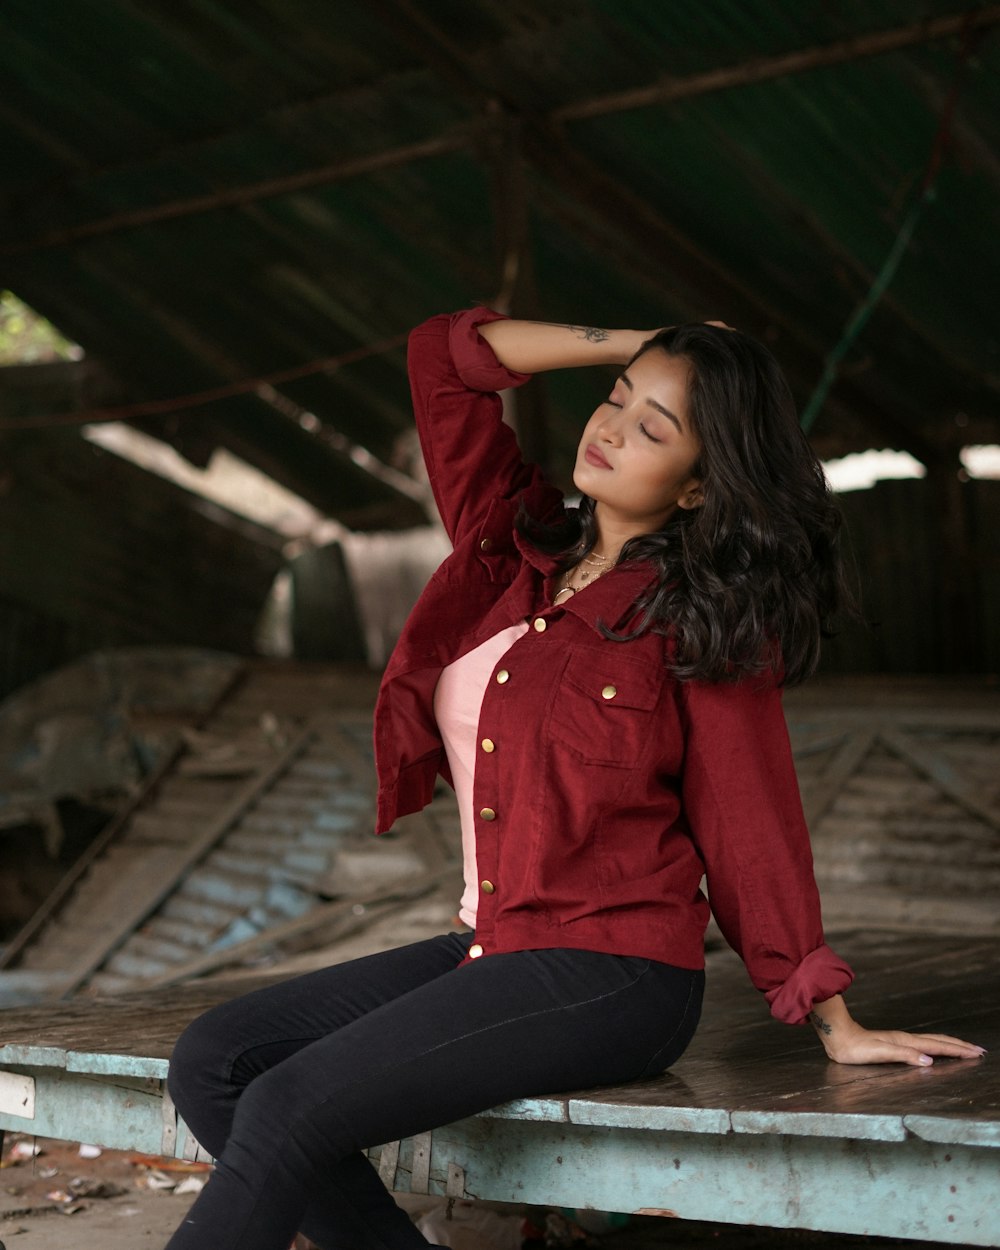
{"x": 663, "y": 1119}
{"x": 954, "y": 1132}
{"x": 549, "y": 1110}
{"x": 821, "y": 1124}
{"x": 913, "y": 1189}
{"x": 116, "y": 1065}
{"x": 117, "y": 1113}
{"x": 33, "y": 1056}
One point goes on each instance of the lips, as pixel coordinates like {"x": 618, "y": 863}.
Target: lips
{"x": 594, "y": 456}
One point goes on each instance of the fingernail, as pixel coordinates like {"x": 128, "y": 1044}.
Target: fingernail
{"x": 925, "y": 1060}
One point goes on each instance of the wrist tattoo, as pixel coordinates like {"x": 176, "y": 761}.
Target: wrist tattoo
{"x": 819, "y": 1023}
{"x": 591, "y": 333}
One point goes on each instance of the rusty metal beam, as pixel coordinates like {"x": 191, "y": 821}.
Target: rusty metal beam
{"x": 235, "y": 197}
{"x": 765, "y": 68}
{"x": 517, "y": 293}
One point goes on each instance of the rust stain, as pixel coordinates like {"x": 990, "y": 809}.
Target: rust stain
{"x": 672, "y": 1215}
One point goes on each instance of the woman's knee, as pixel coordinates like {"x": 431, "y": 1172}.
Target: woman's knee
{"x": 200, "y": 1062}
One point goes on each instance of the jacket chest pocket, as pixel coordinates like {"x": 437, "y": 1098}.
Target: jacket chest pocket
{"x": 602, "y": 711}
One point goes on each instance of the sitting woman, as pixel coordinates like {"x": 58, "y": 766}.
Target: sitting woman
{"x": 602, "y": 686}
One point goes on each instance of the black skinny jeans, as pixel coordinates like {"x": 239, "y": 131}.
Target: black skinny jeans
{"x": 287, "y": 1085}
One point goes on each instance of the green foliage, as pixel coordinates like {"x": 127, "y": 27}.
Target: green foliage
{"x": 28, "y": 339}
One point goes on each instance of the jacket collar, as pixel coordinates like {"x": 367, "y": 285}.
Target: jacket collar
{"x": 607, "y": 601}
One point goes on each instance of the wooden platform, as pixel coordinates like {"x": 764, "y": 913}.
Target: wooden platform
{"x": 753, "y": 1126}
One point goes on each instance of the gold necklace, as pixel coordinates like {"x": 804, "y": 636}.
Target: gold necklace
{"x": 602, "y": 563}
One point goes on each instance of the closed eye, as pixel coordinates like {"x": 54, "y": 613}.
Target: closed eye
{"x": 648, "y": 435}
{"x": 611, "y": 403}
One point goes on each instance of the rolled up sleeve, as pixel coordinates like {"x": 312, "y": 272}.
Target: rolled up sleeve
{"x": 820, "y": 975}
{"x": 743, "y": 809}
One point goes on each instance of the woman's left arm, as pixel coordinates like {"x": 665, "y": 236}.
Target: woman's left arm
{"x": 846, "y": 1041}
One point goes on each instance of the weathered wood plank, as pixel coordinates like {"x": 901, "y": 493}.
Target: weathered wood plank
{"x": 822, "y": 791}
{"x": 161, "y": 869}
{"x": 943, "y": 774}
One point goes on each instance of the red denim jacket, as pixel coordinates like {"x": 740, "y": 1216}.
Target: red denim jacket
{"x": 611, "y": 787}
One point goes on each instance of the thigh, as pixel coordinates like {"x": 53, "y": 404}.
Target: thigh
{"x": 239, "y": 1039}
{"x": 505, "y": 1026}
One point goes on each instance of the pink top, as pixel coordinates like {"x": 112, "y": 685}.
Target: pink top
{"x": 458, "y": 701}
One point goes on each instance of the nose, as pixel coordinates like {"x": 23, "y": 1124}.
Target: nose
{"x": 609, "y": 430}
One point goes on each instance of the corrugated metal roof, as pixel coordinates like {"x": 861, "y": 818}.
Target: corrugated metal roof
{"x": 202, "y": 193}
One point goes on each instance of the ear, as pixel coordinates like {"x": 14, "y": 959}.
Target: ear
{"x": 692, "y": 498}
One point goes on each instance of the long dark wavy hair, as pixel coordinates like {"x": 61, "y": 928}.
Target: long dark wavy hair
{"x": 749, "y": 580}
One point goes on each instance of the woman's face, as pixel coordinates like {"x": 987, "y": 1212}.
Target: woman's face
{"x": 638, "y": 451}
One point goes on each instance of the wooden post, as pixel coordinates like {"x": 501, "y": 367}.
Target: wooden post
{"x": 957, "y": 608}
{"x": 517, "y": 295}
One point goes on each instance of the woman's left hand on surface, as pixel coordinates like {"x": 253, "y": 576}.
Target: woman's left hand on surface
{"x": 860, "y": 1045}
{"x": 846, "y": 1041}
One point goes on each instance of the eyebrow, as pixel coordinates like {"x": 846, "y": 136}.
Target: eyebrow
{"x": 653, "y": 404}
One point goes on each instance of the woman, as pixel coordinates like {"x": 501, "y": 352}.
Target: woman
{"x": 603, "y": 688}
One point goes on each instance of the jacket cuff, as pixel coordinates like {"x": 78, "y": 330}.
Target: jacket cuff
{"x": 818, "y": 977}
{"x": 473, "y": 357}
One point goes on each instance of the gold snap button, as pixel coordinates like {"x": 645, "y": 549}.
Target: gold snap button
{"x": 502, "y": 676}
{"x": 475, "y": 950}
{"x": 609, "y": 692}
{"x": 487, "y": 887}
{"x": 486, "y": 544}
{"x": 540, "y": 624}
{"x": 488, "y": 745}
{"x": 488, "y": 813}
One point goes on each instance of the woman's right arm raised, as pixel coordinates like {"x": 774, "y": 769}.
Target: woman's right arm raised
{"x": 534, "y": 346}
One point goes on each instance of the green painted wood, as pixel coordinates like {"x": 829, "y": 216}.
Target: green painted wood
{"x": 119, "y": 1112}
{"x": 123, "y": 1114}
{"x": 117, "y": 1065}
{"x": 646, "y": 1116}
{"x": 552, "y": 1110}
{"x": 912, "y": 1189}
{"x": 966, "y": 1131}
{"x": 828, "y": 1125}
{"x": 23, "y": 1052}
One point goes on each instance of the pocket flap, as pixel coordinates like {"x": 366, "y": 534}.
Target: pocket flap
{"x": 613, "y": 679}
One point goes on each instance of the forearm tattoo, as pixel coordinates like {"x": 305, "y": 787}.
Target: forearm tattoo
{"x": 591, "y": 333}
{"x": 820, "y": 1024}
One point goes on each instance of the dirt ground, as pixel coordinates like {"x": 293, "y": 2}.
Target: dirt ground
{"x": 57, "y": 1200}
